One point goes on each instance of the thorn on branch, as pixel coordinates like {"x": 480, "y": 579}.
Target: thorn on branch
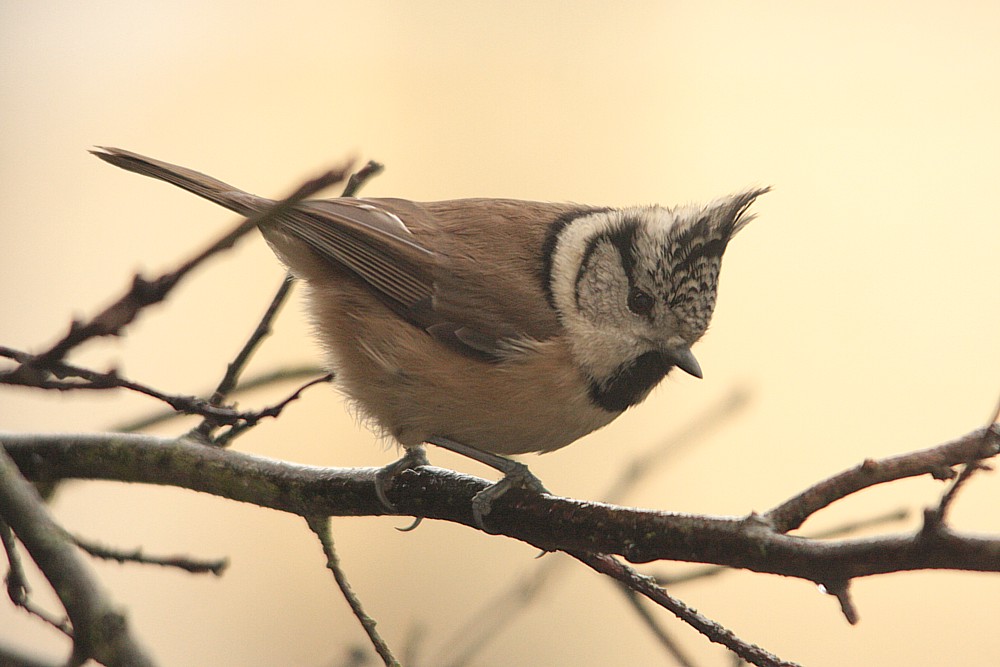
{"x": 942, "y": 473}
{"x": 841, "y": 590}
{"x": 17, "y": 584}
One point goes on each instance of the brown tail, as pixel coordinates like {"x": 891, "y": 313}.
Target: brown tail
{"x": 204, "y": 186}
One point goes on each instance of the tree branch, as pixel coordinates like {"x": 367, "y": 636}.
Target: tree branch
{"x": 144, "y": 292}
{"x": 100, "y": 630}
{"x": 544, "y": 521}
{"x": 320, "y": 526}
{"x": 935, "y": 461}
{"x": 608, "y": 565}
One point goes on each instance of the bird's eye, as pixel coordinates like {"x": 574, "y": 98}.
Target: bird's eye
{"x": 639, "y": 302}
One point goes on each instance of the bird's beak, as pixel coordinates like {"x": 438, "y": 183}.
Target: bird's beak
{"x": 684, "y": 360}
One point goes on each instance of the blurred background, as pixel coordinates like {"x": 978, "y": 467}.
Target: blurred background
{"x": 858, "y": 309}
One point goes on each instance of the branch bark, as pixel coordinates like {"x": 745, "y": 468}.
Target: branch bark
{"x": 551, "y": 523}
{"x": 100, "y": 630}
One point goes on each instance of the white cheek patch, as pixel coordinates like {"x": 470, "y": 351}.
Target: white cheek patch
{"x": 568, "y": 255}
{"x": 601, "y": 284}
{"x": 589, "y": 288}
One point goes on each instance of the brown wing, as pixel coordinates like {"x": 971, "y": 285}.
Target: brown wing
{"x": 489, "y": 276}
{"x": 468, "y": 271}
{"x": 373, "y": 244}
{"x": 478, "y": 289}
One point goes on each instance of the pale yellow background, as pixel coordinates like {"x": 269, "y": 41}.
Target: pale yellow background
{"x": 861, "y": 307}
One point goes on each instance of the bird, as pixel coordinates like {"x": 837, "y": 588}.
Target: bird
{"x": 492, "y": 327}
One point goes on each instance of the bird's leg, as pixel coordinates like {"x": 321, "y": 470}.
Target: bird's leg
{"x": 514, "y": 475}
{"x": 413, "y": 457}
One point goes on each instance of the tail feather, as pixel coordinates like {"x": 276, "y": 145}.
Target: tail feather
{"x": 193, "y": 181}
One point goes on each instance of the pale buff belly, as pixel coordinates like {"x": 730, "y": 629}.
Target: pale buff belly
{"x": 410, "y": 386}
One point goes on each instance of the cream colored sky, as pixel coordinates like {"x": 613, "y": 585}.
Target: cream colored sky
{"x": 860, "y": 308}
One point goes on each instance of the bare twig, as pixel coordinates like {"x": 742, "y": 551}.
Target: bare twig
{"x": 653, "y": 625}
{"x": 843, "y": 529}
{"x": 272, "y": 411}
{"x": 361, "y": 177}
{"x": 185, "y": 563}
{"x": 935, "y": 461}
{"x": 968, "y": 470}
{"x": 263, "y": 329}
{"x": 250, "y": 384}
{"x": 321, "y": 526}
{"x": 842, "y": 591}
{"x": 191, "y": 405}
{"x": 95, "y": 380}
{"x": 549, "y": 523}
{"x": 235, "y": 367}
{"x": 17, "y": 585}
{"x": 144, "y": 292}
{"x": 644, "y": 585}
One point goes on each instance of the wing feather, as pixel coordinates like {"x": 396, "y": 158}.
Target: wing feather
{"x": 371, "y": 243}
{"x": 470, "y": 272}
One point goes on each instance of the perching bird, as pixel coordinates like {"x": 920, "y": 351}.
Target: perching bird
{"x": 493, "y": 326}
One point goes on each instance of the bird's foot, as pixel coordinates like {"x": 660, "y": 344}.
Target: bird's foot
{"x": 515, "y": 475}
{"x": 413, "y": 457}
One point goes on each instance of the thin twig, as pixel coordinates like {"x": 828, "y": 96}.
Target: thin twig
{"x": 842, "y": 591}
{"x": 653, "y": 625}
{"x": 17, "y": 585}
{"x": 144, "y": 292}
{"x": 644, "y": 585}
{"x": 968, "y": 470}
{"x": 263, "y": 329}
{"x": 236, "y": 366}
{"x": 936, "y": 461}
{"x": 250, "y": 384}
{"x": 190, "y": 405}
{"x": 17, "y": 582}
{"x": 185, "y": 563}
{"x": 273, "y": 411}
{"x": 321, "y": 526}
{"x": 97, "y": 380}
{"x": 361, "y": 177}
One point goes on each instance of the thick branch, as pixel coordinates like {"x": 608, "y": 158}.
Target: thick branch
{"x": 99, "y": 630}
{"x": 544, "y": 521}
